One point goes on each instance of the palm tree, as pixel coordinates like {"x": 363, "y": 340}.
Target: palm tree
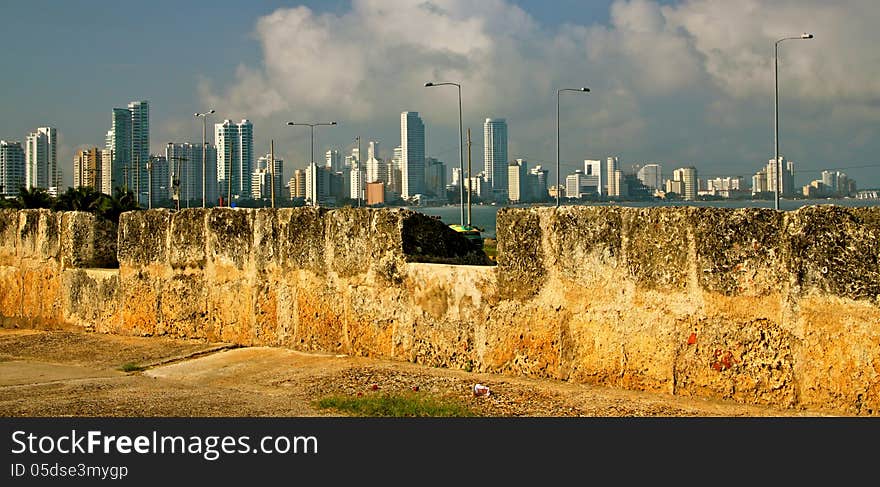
{"x": 83, "y": 198}
{"x": 33, "y": 198}
{"x": 111, "y": 207}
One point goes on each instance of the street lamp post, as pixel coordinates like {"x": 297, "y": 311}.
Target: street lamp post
{"x": 778, "y": 186}
{"x": 204, "y": 149}
{"x": 314, "y": 167}
{"x": 558, "y": 92}
{"x": 460, "y": 148}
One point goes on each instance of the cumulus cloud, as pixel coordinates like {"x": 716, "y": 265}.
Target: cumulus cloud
{"x": 708, "y": 59}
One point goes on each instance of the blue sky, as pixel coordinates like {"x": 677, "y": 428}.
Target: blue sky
{"x": 679, "y": 83}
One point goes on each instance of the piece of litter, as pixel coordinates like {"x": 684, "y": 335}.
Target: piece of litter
{"x": 481, "y": 390}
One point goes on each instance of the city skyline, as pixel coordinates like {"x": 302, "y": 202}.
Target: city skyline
{"x": 701, "y": 95}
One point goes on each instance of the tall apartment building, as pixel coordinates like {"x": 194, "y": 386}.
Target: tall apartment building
{"x": 538, "y": 182}
{"x": 235, "y": 158}
{"x": 333, "y": 160}
{"x": 784, "y": 184}
{"x": 375, "y": 166}
{"x": 41, "y": 160}
{"x": 595, "y": 174}
{"x": 651, "y": 175}
{"x": 88, "y": 169}
{"x": 412, "y": 161}
{"x": 297, "y": 184}
{"x": 263, "y": 177}
{"x": 612, "y": 166}
{"x": 435, "y": 177}
{"x": 495, "y": 154}
{"x": 117, "y": 149}
{"x": 140, "y": 145}
{"x": 185, "y": 162}
{"x": 517, "y": 181}
{"x": 12, "y": 162}
{"x": 687, "y": 176}
{"x": 161, "y": 182}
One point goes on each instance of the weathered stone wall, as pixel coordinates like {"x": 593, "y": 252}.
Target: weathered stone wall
{"x": 757, "y": 306}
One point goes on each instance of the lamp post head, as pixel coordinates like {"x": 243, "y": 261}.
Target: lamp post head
{"x": 197, "y": 114}
{"x": 290, "y": 123}
{"x": 806, "y": 36}
{"x": 585, "y": 89}
{"x": 333, "y": 123}
{"x": 211, "y": 111}
{"x": 429, "y": 84}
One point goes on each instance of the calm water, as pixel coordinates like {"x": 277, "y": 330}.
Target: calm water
{"x": 483, "y": 216}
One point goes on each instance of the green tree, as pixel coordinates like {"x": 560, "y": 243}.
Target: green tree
{"x": 33, "y": 198}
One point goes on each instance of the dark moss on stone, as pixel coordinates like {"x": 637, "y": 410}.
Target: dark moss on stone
{"x": 580, "y": 231}
{"x": 143, "y": 237}
{"x": 521, "y": 268}
{"x": 301, "y": 234}
{"x": 732, "y": 243}
{"x": 830, "y": 248}
{"x": 188, "y": 242}
{"x": 230, "y": 232}
{"x": 350, "y": 240}
{"x": 656, "y": 246}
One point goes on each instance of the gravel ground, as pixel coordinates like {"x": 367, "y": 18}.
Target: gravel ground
{"x": 78, "y": 374}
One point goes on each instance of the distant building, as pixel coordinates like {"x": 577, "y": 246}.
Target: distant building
{"x": 596, "y": 176}
{"x": 435, "y": 177}
{"x": 159, "y": 180}
{"x": 495, "y": 155}
{"x": 518, "y": 190}
{"x": 412, "y": 161}
{"x": 375, "y": 193}
{"x": 12, "y": 162}
{"x": 786, "y": 181}
{"x": 185, "y": 162}
{"x": 537, "y": 183}
{"x": 651, "y": 175}
{"x": 41, "y": 160}
{"x": 688, "y": 178}
{"x": 375, "y": 166}
{"x": 759, "y": 183}
{"x": 297, "y": 184}
{"x": 726, "y": 187}
{"x": 235, "y": 158}
{"x": 87, "y": 169}
{"x": 612, "y": 166}
{"x": 261, "y": 179}
{"x": 333, "y": 160}
{"x": 575, "y": 185}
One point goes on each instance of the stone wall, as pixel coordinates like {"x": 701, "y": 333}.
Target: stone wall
{"x": 756, "y": 306}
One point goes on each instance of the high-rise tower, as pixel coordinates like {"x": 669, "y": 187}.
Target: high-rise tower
{"x": 412, "y": 163}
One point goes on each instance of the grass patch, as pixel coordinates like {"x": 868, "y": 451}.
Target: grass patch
{"x": 131, "y": 367}
{"x": 395, "y": 405}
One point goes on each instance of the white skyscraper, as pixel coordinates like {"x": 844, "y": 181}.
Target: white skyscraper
{"x": 612, "y": 166}
{"x": 650, "y": 175}
{"x": 11, "y": 167}
{"x": 517, "y": 189}
{"x": 495, "y": 153}
{"x": 41, "y": 160}
{"x": 235, "y": 158}
{"x": 261, "y": 179}
{"x": 595, "y": 175}
{"x": 412, "y": 163}
{"x": 333, "y": 160}
{"x": 375, "y": 166}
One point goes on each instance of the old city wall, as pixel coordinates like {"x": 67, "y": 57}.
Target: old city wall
{"x": 757, "y": 306}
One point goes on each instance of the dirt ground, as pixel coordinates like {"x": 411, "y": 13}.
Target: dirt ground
{"x": 64, "y": 373}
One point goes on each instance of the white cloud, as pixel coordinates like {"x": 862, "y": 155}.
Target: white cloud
{"x": 714, "y": 57}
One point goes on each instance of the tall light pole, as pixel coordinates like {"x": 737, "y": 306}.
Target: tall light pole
{"x": 314, "y": 167}
{"x": 776, "y": 162}
{"x": 204, "y": 149}
{"x": 558, "y": 92}
{"x": 460, "y": 148}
